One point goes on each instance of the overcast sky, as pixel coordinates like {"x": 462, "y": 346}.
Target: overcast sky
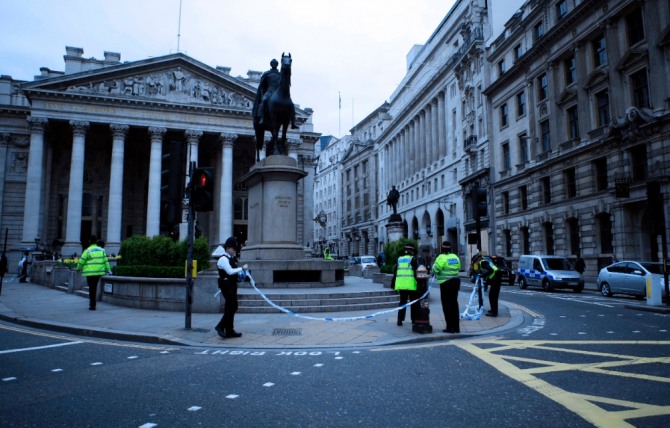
{"x": 356, "y": 48}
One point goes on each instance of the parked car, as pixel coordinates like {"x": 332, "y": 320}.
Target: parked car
{"x": 629, "y": 277}
{"x": 508, "y": 274}
{"x": 368, "y": 262}
{"x": 355, "y": 261}
{"x": 548, "y": 272}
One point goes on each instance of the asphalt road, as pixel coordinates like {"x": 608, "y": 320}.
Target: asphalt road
{"x": 579, "y": 360}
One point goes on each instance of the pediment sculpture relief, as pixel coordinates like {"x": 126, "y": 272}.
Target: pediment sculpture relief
{"x": 172, "y": 85}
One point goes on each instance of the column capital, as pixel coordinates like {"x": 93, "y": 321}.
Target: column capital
{"x": 157, "y": 132}
{"x": 119, "y": 131}
{"x": 79, "y": 127}
{"x": 37, "y": 124}
{"x": 228, "y": 138}
{"x": 193, "y": 135}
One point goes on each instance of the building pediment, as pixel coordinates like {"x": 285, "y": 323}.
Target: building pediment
{"x": 594, "y": 78}
{"x": 174, "y": 79}
{"x": 568, "y": 95}
{"x": 631, "y": 58}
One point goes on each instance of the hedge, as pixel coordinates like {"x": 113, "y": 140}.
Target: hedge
{"x": 392, "y": 251}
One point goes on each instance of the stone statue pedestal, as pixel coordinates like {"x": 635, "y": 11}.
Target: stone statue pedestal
{"x": 274, "y": 256}
{"x": 273, "y": 210}
{"x": 394, "y": 228}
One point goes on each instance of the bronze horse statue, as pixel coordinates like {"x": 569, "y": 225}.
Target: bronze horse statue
{"x": 279, "y": 112}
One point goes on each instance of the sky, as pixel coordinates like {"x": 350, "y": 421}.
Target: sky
{"x": 353, "y": 50}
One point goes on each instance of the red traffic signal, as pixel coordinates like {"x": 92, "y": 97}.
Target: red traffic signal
{"x": 202, "y": 189}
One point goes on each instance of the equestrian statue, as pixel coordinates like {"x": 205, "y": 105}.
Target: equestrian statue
{"x": 273, "y": 108}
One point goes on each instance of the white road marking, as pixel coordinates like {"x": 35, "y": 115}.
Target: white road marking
{"x": 7, "y": 379}
{"x": 97, "y": 363}
{"x": 296, "y": 373}
{"x": 57, "y": 370}
{"x": 37, "y": 348}
{"x": 232, "y": 396}
{"x": 132, "y": 357}
{"x": 318, "y": 365}
{"x": 268, "y": 384}
{"x": 194, "y": 408}
{"x": 148, "y": 425}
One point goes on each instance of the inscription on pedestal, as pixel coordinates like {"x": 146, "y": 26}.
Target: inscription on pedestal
{"x": 283, "y": 201}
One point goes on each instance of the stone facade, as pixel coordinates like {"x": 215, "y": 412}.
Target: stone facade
{"x": 87, "y": 151}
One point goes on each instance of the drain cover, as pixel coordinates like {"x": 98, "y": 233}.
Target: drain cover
{"x": 287, "y": 332}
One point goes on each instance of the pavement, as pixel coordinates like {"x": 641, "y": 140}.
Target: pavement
{"x": 41, "y": 307}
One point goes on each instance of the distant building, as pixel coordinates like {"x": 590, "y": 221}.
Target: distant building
{"x": 102, "y": 149}
{"x": 580, "y": 124}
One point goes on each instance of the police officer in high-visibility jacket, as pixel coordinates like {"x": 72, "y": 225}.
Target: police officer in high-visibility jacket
{"x": 405, "y": 282}
{"x": 446, "y": 268}
{"x": 94, "y": 264}
{"x": 494, "y": 279}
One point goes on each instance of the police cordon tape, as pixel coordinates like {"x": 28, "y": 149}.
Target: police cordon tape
{"x": 343, "y": 319}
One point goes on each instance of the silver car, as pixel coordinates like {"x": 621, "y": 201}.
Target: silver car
{"x": 629, "y": 277}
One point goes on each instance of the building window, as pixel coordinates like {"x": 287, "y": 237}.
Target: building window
{"x": 545, "y": 182}
{"x": 600, "y": 51}
{"x": 635, "y": 27}
{"x": 521, "y": 104}
{"x": 603, "y": 106}
{"x": 525, "y": 240}
{"x": 505, "y": 201}
{"x": 506, "y": 162}
{"x": 538, "y": 30}
{"x": 573, "y": 123}
{"x": 517, "y": 52}
{"x": 570, "y": 182}
{"x": 638, "y": 158}
{"x": 570, "y": 71}
{"x": 640, "y": 89}
{"x": 523, "y": 149}
{"x": 523, "y": 197}
{"x": 573, "y": 233}
{"x": 545, "y": 136}
{"x": 543, "y": 84}
{"x": 549, "y": 238}
{"x": 561, "y": 9}
{"x": 508, "y": 242}
{"x": 600, "y": 174}
{"x": 501, "y": 67}
{"x": 504, "y": 115}
{"x": 605, "y": 232}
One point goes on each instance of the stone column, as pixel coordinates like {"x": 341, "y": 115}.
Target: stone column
{"x": 34, "y": 181}
{"x": 292, "y": 146}
{"x": 192, "y": 138}
{"x": 154, "y": 191}
{"x": 434, "y": 144}
{"x": 73, "y": 242}
{"x": 4, "y": 144}
{"x": 115, "y": 202}
{"x": 441, "y": 127}
{"x": 226, "y": 188}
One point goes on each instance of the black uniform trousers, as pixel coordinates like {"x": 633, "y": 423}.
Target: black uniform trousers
{"x": 92, "y": 282}
{"x": 407, "y": 296}
{"x": 449, "y": 298}
{"x": 229, "y": 291}
{"x": 494, "y": 293}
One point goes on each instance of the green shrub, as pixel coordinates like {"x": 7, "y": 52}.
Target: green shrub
{"x": 159, "y": 257}
{"x": 392, "y": 251}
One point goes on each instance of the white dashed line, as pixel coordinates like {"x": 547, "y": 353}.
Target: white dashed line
{"x": 194, "y": 408}
{"x": 57, "y": 370}
{"x": 232, "y": 396}
{"x": 296, "y": 373}
{"x": 96, "y": 363}
{"x": 610, "y": 332}
{"x": 7, "y": 379}
{"x": 339, "y": 358}
{"x": 132, "y": 357}
{"x": 268, "y": 384}
{"x": 148, "y": 425}
{"x": 318, "y": 365}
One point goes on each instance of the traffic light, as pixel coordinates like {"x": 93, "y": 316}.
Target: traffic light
{"x": 480, "y": 203}
{"x": 202, "y": 189}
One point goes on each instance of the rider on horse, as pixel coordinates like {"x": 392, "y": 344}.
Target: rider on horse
{"x": 268, "y": 84}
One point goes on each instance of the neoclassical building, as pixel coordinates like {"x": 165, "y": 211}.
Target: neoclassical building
{"x": 103, "y": 148}
{"x": 580, "y": 127}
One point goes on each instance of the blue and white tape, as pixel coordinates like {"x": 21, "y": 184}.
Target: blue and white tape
{"x": 342, "y": 319}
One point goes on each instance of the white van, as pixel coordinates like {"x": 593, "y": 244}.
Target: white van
{"x": 548, "y": 272}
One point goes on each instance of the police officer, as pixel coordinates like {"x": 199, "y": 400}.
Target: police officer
{"x": 94, "y": 264}
{"x": 446, "y": 268}
{"x": 228, "y": 277}
{"x": 405, "y": 282}
{"x": 494, "y": 279}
